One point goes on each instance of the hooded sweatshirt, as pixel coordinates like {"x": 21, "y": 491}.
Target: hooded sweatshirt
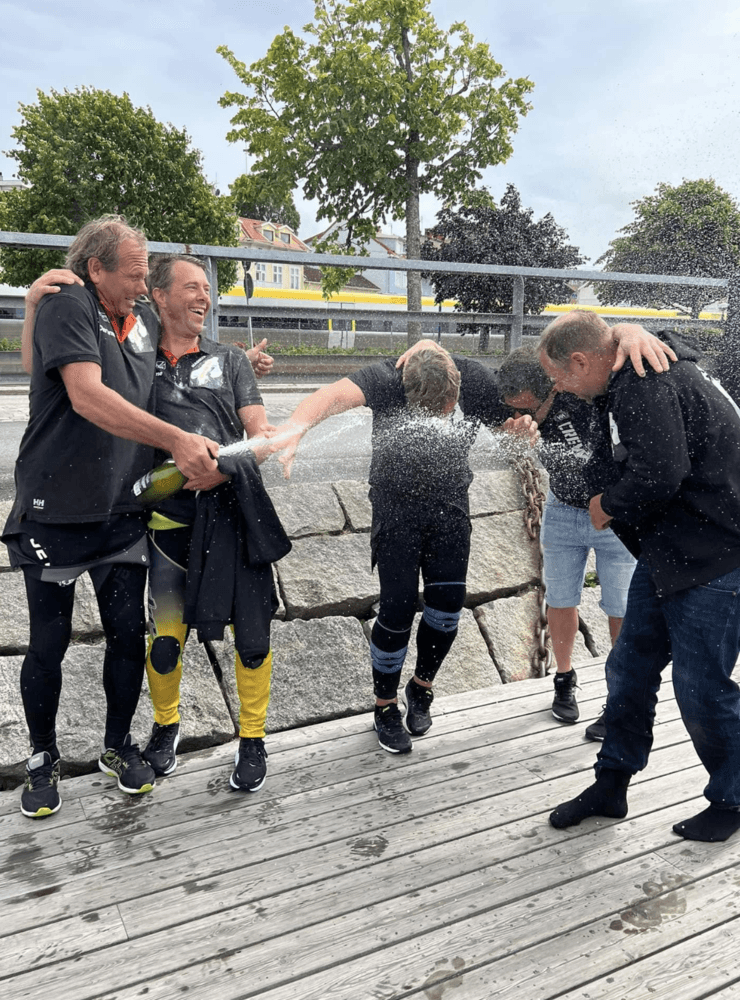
{"x": 675, "y": 500}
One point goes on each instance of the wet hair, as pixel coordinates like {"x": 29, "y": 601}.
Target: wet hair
{"x": 580, "y": 330}
{"x": 521, "y": 372}
{"x": 431, "y": 380}
{"x": 101, "y": 238}
{"x": 161, "y": 267}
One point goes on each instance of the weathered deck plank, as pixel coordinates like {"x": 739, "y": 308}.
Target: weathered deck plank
{"x": 357, "y": 875}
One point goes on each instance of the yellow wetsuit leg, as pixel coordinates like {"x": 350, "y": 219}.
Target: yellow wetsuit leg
{"x": 168, "y": 547}
{"x": 253, "y": 686}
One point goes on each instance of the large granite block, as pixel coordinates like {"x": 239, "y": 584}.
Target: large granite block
{"x": 328, "y": 575}
{"x": 14, "y": 624}
{"x": 495, "y": 493}
{"x": 308, "y": 508}
{"x": 508, "y": 626}
{"x": 503, "y": 559}
{"x": 353, "y": 496}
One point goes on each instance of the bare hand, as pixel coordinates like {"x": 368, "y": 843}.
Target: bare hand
{"x": 634, "y": 342}
{"x": 599, "y": 518}
{"x": 418, "y": 346}
{"x": 195, "y": 456}
{"x": 286, "y": 439}
{"x": 260, "y": 361}
{"x": 49, "y": 283}
{"x": 206, "y": 482}
{"x": 523, "y": 427}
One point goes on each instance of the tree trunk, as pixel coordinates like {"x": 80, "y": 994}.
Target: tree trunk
{"x": 413, "y": 247}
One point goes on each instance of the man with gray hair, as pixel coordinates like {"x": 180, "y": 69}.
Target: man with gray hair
{"x": 89, "y": 438}
{"x": 674, "y": 500}
{"x": 419, "y": 479}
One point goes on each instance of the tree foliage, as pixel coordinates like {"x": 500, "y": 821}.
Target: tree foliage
{"x": 88, "y": 152}
{"x": 256, "y": 197}
{"x": 377, "y": 106}
{"x": 481, "y": 233}
{"x": 691, "y": 229}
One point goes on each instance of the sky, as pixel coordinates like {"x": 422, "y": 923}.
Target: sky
{"x": 628, "y": 94}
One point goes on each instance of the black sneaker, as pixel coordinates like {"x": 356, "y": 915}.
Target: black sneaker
{"x": 597, "y": 730}
{"x": 134, "y": 774}
{"x": 40, "y": 796}
{"x": 389, "y": 727}
{"x": 564, "y": 705}
{"x": 250, "y": 765}
{"x": 161, "y": 750}
{"x": 417, "y": 702}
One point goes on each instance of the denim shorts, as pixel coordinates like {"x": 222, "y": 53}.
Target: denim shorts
{"x": 567, "y": 535}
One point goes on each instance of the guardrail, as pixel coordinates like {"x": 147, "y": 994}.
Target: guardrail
{"x": 212, "y": 254}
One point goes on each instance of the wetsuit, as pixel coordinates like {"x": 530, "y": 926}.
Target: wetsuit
{"x": 201, "y": 392}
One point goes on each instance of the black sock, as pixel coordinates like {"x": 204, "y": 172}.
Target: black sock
{"x": 606, "y": 797}
{"x": 711, "y": 825}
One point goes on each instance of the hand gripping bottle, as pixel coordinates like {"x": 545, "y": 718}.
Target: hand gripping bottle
{"x": 158, "y": 484}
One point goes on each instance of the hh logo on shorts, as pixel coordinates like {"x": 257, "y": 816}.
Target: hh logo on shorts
{"x": 38, "y": 504}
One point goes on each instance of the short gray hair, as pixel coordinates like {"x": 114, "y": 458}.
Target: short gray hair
{"x": 161, "y": 267}
{"x": 431, "y": 380}
{"x": 101, "y": 238}
{"x": 521, "y": 371}
{"x": 580, "y": 330}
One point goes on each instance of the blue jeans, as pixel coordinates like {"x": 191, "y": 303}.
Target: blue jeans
{"x": 699, "y": 629}
{"x": 567, "y": 535}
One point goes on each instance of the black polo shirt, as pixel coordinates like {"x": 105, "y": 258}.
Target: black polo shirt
{"x": 202, "y": 393}
{"x": 68, "y": 470}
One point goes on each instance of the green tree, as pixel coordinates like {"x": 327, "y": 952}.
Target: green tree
{"x": 89, "y": 152}
{"x": 691, "y": 229}
{"x": 380, "y": 106}
{"x": 255, "y": 197}
{"x": 481, "y": 233}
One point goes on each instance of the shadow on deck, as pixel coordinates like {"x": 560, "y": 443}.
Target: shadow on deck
{"x": 354, "y": 875}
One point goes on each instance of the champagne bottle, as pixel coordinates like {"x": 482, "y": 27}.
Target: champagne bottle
{"x": 158, "y": 484}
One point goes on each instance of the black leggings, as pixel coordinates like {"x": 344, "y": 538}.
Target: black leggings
{"x": 120, "y": 592}
{"x": 407, "y": 542}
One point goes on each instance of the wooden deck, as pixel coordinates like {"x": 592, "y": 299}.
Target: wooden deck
{"x": 354, "y": 874}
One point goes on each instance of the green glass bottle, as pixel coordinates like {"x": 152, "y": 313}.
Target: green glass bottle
{"x": 158, "y": 484}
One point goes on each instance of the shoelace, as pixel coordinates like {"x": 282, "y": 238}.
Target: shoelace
{"x": 130, "y": 754}
{"x": 252, "y": 750}
{"x": 40, "y": 776}
{"x": 158, "y": 738}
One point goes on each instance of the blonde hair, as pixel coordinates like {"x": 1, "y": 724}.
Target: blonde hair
{"x": 431, "y": 380}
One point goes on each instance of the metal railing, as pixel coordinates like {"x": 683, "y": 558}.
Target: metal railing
{"x": 213, "y": 254}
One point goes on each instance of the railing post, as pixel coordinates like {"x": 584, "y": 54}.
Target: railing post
{"x": 212, "y": 319}
{"x": 513, "y": 339}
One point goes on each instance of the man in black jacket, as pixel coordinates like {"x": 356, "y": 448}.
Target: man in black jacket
{"x": 675, "y": 503}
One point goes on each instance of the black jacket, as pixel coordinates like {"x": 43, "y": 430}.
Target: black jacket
{"x": 237, "y": 535}
{"x": 675, "y": 439}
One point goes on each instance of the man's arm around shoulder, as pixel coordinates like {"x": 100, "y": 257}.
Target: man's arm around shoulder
{"x": 90, "y": 399}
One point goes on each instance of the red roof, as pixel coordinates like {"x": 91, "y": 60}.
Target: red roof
{"x": 252, "y": 231}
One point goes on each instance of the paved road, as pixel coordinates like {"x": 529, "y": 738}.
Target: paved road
{"x": 339, "y": 448}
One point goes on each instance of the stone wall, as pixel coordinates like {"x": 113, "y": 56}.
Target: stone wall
{"x": 320, "y": 636}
